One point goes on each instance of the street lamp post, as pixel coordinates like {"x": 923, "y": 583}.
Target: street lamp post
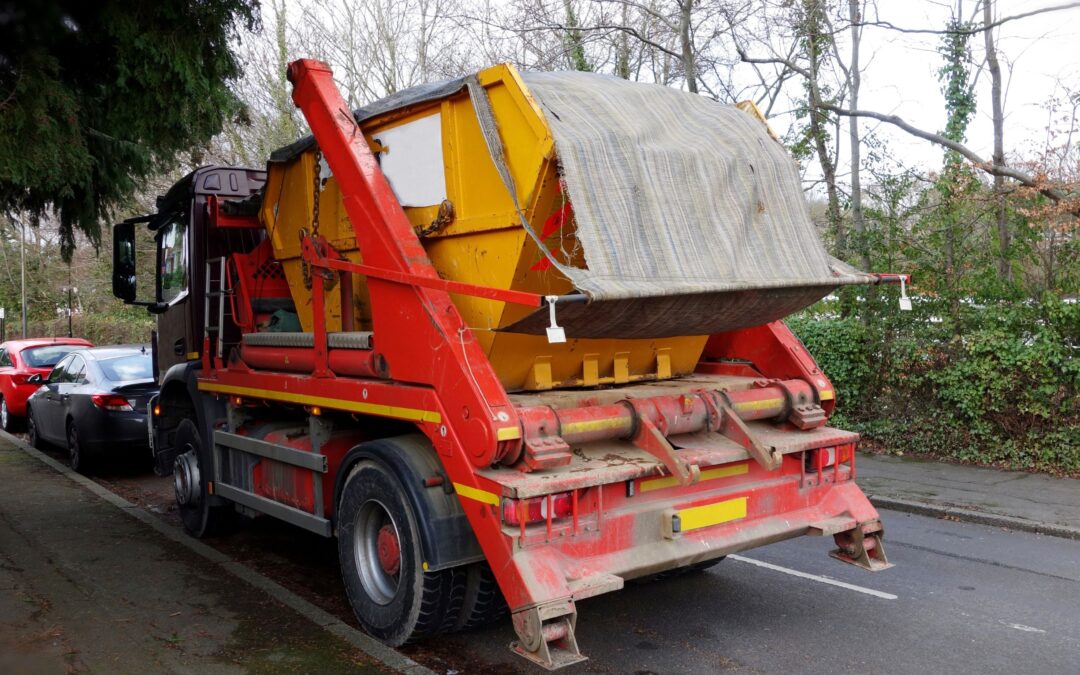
{"x": 22, "y": 264}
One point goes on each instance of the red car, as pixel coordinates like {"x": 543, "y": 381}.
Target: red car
{"x": 19, "y": 360}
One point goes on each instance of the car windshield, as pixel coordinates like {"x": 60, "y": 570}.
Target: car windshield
{"x": 123, "y": 368}
{"x": 47, "y": 357}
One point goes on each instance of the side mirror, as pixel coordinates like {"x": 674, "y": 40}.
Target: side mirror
{"x": 36, "y": 378}
{"x": 123, "y": 279}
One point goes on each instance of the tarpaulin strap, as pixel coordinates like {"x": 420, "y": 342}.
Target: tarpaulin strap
{"x": 490, "y": 130}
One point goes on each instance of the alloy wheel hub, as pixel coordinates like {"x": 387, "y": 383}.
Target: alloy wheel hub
{"x": 186, "y": 479}
{"x": 389, "y": 550}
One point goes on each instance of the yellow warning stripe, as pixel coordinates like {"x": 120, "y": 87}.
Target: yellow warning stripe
{"x": 827, "y": 395}
{"x": 707, "y": 474}
{"x": 476, "y": 494}
{"x": 508, "y": 433}
{"x": 594, "y": 425}
{"x": 712, "y": 514}
{"x": 334, "y": 403}
{"x": 759, "y": 405}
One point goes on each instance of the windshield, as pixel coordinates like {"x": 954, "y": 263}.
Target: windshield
{"x": 123, "y": 368}
{"x": 47, "y": 357}
{"x": 173, "y": 238}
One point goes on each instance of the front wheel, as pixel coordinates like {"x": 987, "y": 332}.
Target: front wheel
{"x": 190, "y": 476}
{"x": 393, "y": 597}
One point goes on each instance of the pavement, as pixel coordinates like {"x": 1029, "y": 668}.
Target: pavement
{"x": 1015, "y": 500}
{"x": 86, "y": 586}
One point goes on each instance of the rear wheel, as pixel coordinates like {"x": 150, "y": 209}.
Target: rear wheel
{"x": 190, "y": 475}
{"x": 32, "y": 430}
{"x": 484, "y": 602}
{"x": 76, "y": 454}
{"x": 7, "y": 420}
{"x": 392, "y": 595}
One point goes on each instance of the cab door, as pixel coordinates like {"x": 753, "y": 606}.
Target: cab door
{"x": 176, "y": 277}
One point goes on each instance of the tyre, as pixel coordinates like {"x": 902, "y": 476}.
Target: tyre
{"x": 483, "y": 602}
{"x": 32, "y": 434}
{"x": 201, "y": 518}
{"x": 7, "y": 420}
{"x": 76, "y": 454}
{"x": 393, "y": 597}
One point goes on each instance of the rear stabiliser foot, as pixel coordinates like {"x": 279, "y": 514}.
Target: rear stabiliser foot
{"x": 862, "y": 547}
{"x": 546, "y": 635}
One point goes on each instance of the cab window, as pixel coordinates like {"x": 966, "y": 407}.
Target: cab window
{"x": 5, "y": 359}
{"x": 173, "y": 275}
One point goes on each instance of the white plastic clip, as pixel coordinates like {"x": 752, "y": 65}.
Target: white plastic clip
{"x": 555, "y": 333}
{"x": 905, "y": 301}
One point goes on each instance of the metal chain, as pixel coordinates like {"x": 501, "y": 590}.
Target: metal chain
{"x": 444, "y": 217}
{"x": 315, "y": 185}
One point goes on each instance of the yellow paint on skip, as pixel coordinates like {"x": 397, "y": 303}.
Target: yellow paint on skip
{"x": 476, "y": 494}
{"x": 707, "y": 474}
{"x": 712, "y": 514}
{"x": 333, "y": 403}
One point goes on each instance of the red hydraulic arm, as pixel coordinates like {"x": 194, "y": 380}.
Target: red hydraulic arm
{"x": 419, "y": 331}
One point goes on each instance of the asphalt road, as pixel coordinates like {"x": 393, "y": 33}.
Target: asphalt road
{"x": 961, "y": 598}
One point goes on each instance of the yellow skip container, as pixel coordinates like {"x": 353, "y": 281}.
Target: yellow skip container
{"x": 434, "y": 154}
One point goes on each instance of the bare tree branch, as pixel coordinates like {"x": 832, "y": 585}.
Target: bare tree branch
{"x": 977, "y": 161}
{"x": 971, "y": 31}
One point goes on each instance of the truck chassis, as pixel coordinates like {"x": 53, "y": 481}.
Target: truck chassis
{"x": 453, "y": 500}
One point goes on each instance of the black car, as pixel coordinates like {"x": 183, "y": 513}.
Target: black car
{"x": 94, "y": 402}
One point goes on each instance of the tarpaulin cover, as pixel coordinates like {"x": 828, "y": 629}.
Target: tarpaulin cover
{"x": 691, "y": 218}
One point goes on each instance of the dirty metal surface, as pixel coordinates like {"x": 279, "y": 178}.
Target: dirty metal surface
{"x": 604, "y": 462}
{"x": 570, "y": 398}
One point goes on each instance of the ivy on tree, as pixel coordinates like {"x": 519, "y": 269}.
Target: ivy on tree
{"x": 97, "y": 95}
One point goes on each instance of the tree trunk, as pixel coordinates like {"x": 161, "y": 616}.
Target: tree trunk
{"x": 998, "y": 113}
{"x": 622, "y": 48}
{"x": 686, "y": 8}
{"x": 855, "y": 80}
{"x": 814, "y": 36}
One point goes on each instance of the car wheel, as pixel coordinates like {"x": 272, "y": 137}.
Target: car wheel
{"x": 76, "y": 454}
{"x": 190, "y": 474}
{"x": 393, "y": 597}
{"x": 7, "y": 420}
{"x": 32, "y": 430}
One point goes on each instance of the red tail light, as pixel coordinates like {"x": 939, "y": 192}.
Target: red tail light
{"x": 535, "y": 510}
{"x": 113, "y": 402}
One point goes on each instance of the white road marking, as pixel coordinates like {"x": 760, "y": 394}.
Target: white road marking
{"x": 813, "y": 577}
{"x": 1020, "y": 626}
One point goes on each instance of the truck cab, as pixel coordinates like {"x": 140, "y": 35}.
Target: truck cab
{"x": 204, "y": 217}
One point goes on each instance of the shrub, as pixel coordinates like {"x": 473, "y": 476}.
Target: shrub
{"x": 1003, "y": 390}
